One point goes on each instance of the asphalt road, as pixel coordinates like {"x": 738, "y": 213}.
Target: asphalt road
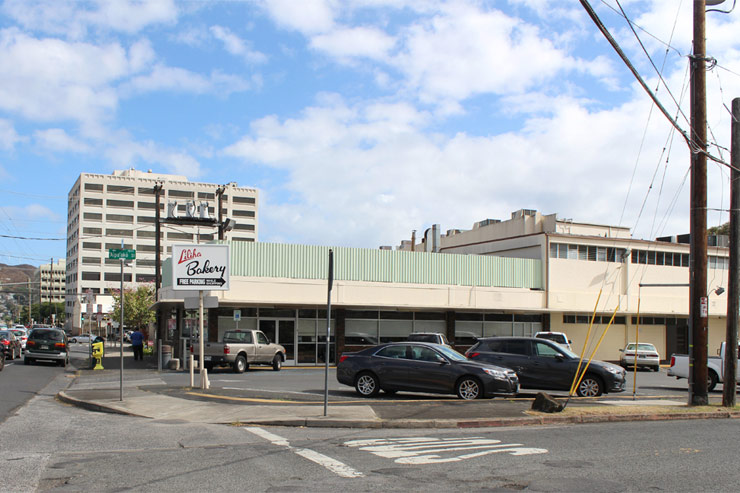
{"x": 48, "y": 446}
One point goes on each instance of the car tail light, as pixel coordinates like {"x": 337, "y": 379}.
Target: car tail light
{"x": 60, "y": 345}
{"x": 342, "y": 358}
{"x": 673, "y": 361}
{"x": 653, "y": 355}
{"x": 473, "y": 355}
{"x": 227, "y": 349}
{"x": 7, "y": 343}
{"x": 191, "y": 349}
{"x": 30, "y": 343}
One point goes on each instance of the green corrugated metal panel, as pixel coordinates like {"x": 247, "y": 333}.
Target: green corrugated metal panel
{"x": 358, "y": 264}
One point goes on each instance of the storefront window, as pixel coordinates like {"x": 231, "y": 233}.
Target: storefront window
{"x": 395, "y": 330}
{"x": 360, "y": 332}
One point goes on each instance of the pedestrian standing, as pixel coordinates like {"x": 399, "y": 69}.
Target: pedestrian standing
{"x": 137, "y": 343}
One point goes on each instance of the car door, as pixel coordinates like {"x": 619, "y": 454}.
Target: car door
{"x": 549, "y": 367}
{"x": 262, "y": 351}
{"x": 430, "y": 371}
{"x": 510, "y": 353}
{"x": 392, "y": 365}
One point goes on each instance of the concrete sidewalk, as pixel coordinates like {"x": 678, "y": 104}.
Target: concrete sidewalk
{"x": 146, "y": 394}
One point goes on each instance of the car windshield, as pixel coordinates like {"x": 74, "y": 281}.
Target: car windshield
{"x": 47, "y": 334}
{"x": 641, "y": 347}
{"x": 450, "y": 353}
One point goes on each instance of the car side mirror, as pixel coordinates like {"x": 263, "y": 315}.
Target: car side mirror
{"x": 559, "y": 357}
{"x": 443, "y": 362}
{"x": 621, "y": 350}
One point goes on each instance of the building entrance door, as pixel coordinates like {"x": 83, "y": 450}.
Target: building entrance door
{"x": 281, "y": 331}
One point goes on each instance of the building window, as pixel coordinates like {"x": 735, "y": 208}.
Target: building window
{"x": 244, "y": 227}
{"x": 236, "y": 213}
{"x": 119, "y": 232}
{"x": 116, "y": 276}
{"x": 91, "y": 260}
{"x": 128, "y": 204}
{"x": 206, "y": 195}
{"x": 119, "y": 218}
{"x": 244, "y": 200}
{"x": 92, "y": 231}
{"x": 115, "y": 246}
{"x": 92, "y": 216}
{"x": 120, "y": 189}
{"x": 93, "y": 187}
{"x": 93, "y": 202}
{"x": 90, "y": 276}
{"x": 181, "y": 193}
{"x": 147, "y": 205}
{"x": 179, "y": 236}
{"x": 144, "y": 278}
{"x": 146, "y": 219}
{"x": 86, "y": 245}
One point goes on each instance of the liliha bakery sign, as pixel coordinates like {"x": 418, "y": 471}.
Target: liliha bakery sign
{"x": 200, "y": 267}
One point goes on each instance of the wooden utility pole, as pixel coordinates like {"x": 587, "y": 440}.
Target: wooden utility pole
{"x": 733, "y": 288}
{"x": 698, "y": 302}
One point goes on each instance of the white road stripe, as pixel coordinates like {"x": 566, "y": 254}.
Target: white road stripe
{"x": 338, "y": 468}
{"x": 333, "y": 465}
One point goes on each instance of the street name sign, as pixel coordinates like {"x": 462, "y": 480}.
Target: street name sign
{"x": 124, "y": 253}
{"x": 200, "y": 267}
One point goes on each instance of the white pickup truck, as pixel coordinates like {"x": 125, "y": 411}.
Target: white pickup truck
{"x": 239, "y": 349}
{"x": 715, "y": 367}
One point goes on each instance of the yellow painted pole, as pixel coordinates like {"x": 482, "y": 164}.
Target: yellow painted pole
{"x": 597, "y": 347}
{"x": 585, "y": 342}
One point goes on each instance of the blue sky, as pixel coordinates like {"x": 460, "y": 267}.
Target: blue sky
{"x": 358, "y": 120}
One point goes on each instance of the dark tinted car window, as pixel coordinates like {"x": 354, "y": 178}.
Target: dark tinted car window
{"x": 47, "y": 334}
{"x": 510, "y": 347}
{"x": 393, "y": 352}
{"x": 422, "y": 338}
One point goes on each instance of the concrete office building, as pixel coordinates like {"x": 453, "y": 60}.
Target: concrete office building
{"x": 514, "y": 277}
{"x": 106, "y": 210}
{"x": 51, "y": 279}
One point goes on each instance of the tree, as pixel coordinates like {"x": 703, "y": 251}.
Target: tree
{"x": 720, "y": 230}
{"x": 136, "y": 307}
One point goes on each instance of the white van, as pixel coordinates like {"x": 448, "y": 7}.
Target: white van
{"x": 558, "y": 337}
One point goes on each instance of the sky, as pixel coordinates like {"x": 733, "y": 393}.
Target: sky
{"x": 361, "y": 120}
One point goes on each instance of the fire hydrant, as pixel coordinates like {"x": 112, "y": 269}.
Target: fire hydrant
{"x": 97, "y": 353}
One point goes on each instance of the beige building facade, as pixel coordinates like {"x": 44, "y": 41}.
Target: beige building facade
{"x": 513, "y": 277}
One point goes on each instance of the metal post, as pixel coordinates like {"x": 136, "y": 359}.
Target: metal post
{"x": 328, "y": 332}
{"x": 121, "y": 328}
{"x": 201, "y": 345}
{"x": 698, "y": 303}
{"x": 733, "y": 288}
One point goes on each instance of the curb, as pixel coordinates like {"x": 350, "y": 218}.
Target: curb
{"x": 429, "y": 423}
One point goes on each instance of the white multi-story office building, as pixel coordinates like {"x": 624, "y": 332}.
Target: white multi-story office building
{"x": 119, "y": 211}
{"x": 51, "y": 278}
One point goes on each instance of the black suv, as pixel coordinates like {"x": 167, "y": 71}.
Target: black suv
{"x": 543, "y": 364}
{"x": 47, "y": 344}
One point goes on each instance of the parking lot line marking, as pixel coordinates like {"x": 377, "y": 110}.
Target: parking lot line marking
{"x": 333, "y": 465}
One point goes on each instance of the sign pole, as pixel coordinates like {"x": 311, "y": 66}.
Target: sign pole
{"x": 328, "y": 332}
{"x": 201, "y": 345}
{"x": 121, "y": 328}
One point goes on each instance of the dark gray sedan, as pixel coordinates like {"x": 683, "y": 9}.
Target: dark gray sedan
{"x": 423, "y": 367}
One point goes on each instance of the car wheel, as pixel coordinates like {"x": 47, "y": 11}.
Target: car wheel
{"x": 75, "y": 340}
{"x": 277, "y": 362}
{"x": 711, "y": 380}
{"x": 657, "y": 368}
{"x": 240, "y": 364}
{"x": 469, "y": 388}
{"x": 367, "y": 385}
{"x": 590, "y": 386}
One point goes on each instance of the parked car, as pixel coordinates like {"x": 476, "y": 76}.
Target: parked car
{"x": 11, "y": 345}
{"x": 22, "y": 334}
{"x": 423, "y": 367}
{"x": 558, "y": 337}
{"x": 433, "y": 337}
{"x": 647, "y": 356}
{"x": 85, "y": 338}
{"x": 543, "y": 364}
{"x": 47, "y": 344}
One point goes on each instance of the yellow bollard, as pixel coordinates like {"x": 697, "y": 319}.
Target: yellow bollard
{"x": 97, "y": 353}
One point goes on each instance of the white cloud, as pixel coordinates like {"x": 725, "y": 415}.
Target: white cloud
{"x": 8, "y": 136}
{"x": 58, "y": 140}
{"x": 124, "y": 152}
{"x": 237, "y": 46}
{"x": 73, "y": 18}
{"x": 313, "y": 16}
{"x": 354, "y": 42}
{"x": 164, "y": 78}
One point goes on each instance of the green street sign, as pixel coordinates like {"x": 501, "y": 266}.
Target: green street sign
{"x": 122, "y": 253}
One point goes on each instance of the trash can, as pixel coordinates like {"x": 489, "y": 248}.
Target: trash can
{"x": 166, "y": 355}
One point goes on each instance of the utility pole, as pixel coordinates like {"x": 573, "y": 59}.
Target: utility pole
{"x": 698, "y": 302}
{"x": 220, "y": 195}
{"x": 733, "y": 288}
